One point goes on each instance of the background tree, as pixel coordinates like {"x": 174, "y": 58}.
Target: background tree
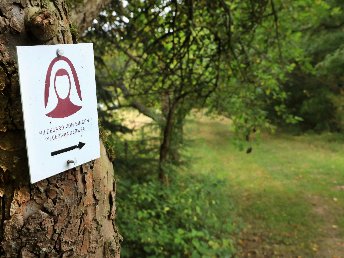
{"x": 68, "y": 215}
{"x": 314, "y": 88}
{"x": 173, "y": 56}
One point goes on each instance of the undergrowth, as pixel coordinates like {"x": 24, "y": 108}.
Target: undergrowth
{"x": 184, "y": 219}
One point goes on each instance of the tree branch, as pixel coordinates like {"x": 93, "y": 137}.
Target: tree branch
{"x": 139, "y": 106}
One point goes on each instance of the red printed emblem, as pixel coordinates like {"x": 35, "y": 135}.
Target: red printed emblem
{"x": 63, "y": 78}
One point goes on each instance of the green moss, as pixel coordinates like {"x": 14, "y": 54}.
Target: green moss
{"x": 104, "y": 136}
{"x": 74, "y": 31}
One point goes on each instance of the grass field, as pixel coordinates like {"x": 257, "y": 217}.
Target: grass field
{"x": 288, "y": 193}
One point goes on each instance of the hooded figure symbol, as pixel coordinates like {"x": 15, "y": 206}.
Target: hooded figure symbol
{"x": 62, "y": 87}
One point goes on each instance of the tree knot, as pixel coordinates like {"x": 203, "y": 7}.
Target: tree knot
{"x": 42, "y": 24}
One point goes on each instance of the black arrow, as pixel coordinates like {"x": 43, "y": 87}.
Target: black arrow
{"x": 80, "y": 145}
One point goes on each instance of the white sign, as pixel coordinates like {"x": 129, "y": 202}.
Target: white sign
{"x": 58, "y": 93}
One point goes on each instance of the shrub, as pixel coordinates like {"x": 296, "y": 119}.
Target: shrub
{"x": 185, "y": 219}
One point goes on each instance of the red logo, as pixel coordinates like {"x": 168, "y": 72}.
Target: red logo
{"x": 64, "y": 80}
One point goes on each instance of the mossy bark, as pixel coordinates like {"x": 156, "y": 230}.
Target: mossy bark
{"x": 71, "y": 214}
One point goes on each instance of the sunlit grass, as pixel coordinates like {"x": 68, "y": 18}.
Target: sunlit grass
{"x": 287, "y": 192}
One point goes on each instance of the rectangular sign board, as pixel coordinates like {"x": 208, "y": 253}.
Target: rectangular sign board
{"x": 58, "y": 93}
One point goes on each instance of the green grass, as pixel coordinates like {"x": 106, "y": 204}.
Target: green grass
{"x": 287, "y": 192}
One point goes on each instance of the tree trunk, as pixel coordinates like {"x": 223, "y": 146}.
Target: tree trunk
{"x": 178, "y": 135}
{"x": 85, "y": 11}
{"x": 165, "y": 145}
{"x": 71, "y": 214}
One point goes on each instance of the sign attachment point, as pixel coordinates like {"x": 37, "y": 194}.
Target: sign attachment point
{"x": 59, "y": 52}
{"x": 70, "y": 162}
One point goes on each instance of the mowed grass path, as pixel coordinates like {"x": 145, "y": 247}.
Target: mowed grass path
{"x": 288, "y": 193}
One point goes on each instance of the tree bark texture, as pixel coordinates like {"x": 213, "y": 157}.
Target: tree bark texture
{"x": 85, "y": 11}
{"x": 71, "y": 214}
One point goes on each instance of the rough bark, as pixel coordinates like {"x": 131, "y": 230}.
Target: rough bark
{"x": 71, "y": 214}
{"x": 85, "y": 11}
